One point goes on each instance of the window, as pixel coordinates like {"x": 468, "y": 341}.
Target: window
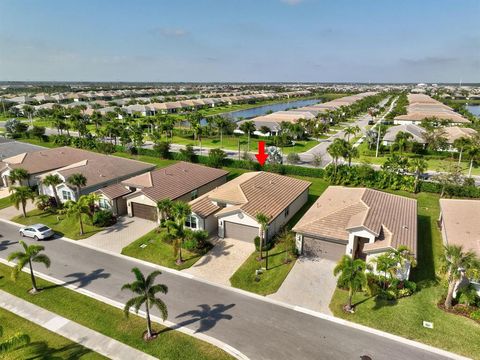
{"x": 287, "y": 211}
{"x": 191, "y": 222}
{"x": 103, "y": 204}
{"x": 66, "y": 195}
{"x": 194, "y": 194}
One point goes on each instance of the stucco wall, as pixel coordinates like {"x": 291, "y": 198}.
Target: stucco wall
{"x": 239, "y": 218}
{"x": 281, "y": 219}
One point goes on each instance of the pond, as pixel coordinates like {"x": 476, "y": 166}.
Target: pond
{"x": 474, "y": 109}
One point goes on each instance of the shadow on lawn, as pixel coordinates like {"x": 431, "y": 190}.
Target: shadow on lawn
{"x": 41, "y": 350}
{"x": 207, "y": 316}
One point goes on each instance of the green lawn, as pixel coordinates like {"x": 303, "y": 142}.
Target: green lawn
{"x": 159, "y": 252}
{"x": 421, "y": 306}
{"x": 109, "y": 320}
{"x": 271, "y": 280}
{"x": 5, "y": 202}
{"x": 230, "y": 142}
{"x": 146, "y": 158}
{"x": 44, "y": 344}
{"x": 39, "y": 142}
{"x": 61, "y": 224}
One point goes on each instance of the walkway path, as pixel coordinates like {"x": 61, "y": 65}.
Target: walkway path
{"x": 102, "y": 344}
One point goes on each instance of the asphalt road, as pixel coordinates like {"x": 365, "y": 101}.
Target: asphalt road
{"x": 258, "y": 329}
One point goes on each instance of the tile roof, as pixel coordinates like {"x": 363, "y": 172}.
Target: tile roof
{"x": 256, "y": 192}
{"x": 460, "y": 221}
{"x": 114, "y": 191}
{"x": 391, "y": 218}
{"x": 453, "y": 133}
{"x": 174, "y": 181}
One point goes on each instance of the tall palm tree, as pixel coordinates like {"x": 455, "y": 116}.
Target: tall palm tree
{"x": 455, "y": 263}
{"x": 263, "y": 221}
{"x": 53, "y": 180}
{"x": 402, "y": 139}
{"x": 146, "y": 290}
{"x": 30, "y": 254}
{"x": 460, "y": 144}
{"x": 352, "y": 273}
{"x": 336, "y": 150}
{"x": 77, "y": 209}
{"x": 165, "y": 207}
{"x": 351, "y": 131}
{"x": 248, "y": 127}
{"x": 29, "y": 111}
{"x": 13, "y": 342}
{"x": 77, "y": 180}
{"x": 17, "y": 175}
{"x": 20, "y": 195}
{"x": 473, "y": 152}
{"x": 221, "y": 124}
{"x": 180, "y": 211}
{"x": 418, "y": 167}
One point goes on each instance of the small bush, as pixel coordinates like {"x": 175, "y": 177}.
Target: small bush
{"x": 162, "y": 149}
{"x": 267, "y": 245}
{"x": 216, "y": 158}
{"x": 104, "y": 218}
{"x": 475, "y": 315}
{"x": 293, "y": 158}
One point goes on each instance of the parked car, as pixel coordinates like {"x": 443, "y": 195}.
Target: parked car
{"x": 371, "y": 122}
{"x": 37, "y": 232}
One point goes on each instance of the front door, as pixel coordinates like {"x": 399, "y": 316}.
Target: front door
{"x": 359, "y": 254}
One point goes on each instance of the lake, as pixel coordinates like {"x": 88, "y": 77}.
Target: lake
{"x": 474, "y": 109}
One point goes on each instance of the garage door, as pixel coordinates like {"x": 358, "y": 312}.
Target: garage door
{"x": 144, "y": 211}
{"x": 323, "y": 249}
{"x": 240, "y": 232}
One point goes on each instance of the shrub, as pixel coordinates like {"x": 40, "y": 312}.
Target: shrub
{"x": 475, "y": 315}
{"x": 105, "y": 148}
{"x": 468, "y": 296}
{"x": 46, "y": 203}
{"x": 38, "y": 131}
{"x": 162, "y": 149}
{"x": 15, "y": 127}
{"x": 132, "y": 150}
{"x": 196, "y": 240}
{"x": 103, "y": 218}
{"x": 267, "y": 245}
{"x": 293, "y": 158}
{"x": 188, "y": 154}
{"x": 410, "y": 285}
{"x": 216, "y": 158}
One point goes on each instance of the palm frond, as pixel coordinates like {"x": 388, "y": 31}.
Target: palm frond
{"x": 42, "y": 258}
{"x": 158, "y": 288}
{"x": 160, "y": 306}
{"x": 13, "y": 342}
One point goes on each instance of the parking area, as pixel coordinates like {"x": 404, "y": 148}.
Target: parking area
{"x": 117, "y": 236}
{"x": 220, "y": 263}
{"x": 310, "y": 284}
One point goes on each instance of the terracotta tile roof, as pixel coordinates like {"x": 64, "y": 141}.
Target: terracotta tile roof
{"x": 453, "y": 133}
{"x": 96, "y": 167}
{"x": 460, "y": 221}
{"x": 114, "y": 191}
{"x": 203, "y": 206}
{"x": 256, "y": 192}
{"x": 174, "y": 181}
{"x": 391, "y": 218}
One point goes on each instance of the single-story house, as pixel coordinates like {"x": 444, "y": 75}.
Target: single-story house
{"x": 453, "y": 133}
{"x": 359, "y": 222}
{"x": 230, "y": 210}
{"x": 100, "y": 170}
{"x": 416, "y": 131}
{"x": 179, "y": 182}
{"x": 460, "y": 225}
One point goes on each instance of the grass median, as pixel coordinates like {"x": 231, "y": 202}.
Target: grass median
{"x": 109, "y": 320}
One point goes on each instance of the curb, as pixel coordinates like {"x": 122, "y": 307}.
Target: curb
{"x": 310, "y": 312}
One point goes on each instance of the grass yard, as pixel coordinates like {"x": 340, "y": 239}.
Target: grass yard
{"x": 421, "y": 306}
{"x": 5, "y": 202}
{"x": 148, "y": 159}
{"x": 109, "y": 320}
{"x": 39, "y": 142}
{"x": 44, "y": 344}
{"x": 61, "y": 224}
{"x": 159, "y": 252}
{"x": 270, "y": 280}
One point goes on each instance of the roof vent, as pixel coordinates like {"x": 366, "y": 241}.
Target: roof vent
{"x": 405, "y": 227}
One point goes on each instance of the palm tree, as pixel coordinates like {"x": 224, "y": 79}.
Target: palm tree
{"x": 402, "y": 139}
{"x": 460, "y": 144}
{"x": 77, "y": 180}
{"x": 30, "y": 254}
{"x": 76, "y": 209}
{"x": 20, "y": 195}
{"x": 165, "y": 207}
{"x": 386, "y": 264}
{"x": 146, "y": 290}
{"x": 29, "y": 110}
{"x": 455, "y": 263}
{"x": 53, "y": 180}
{"x": 336, "y": 150}
{"x": 418, "y": 167}
{"x": 352, "y": 273}
{"x": 473, "y": 152}
{"x": 13, "y": 342}
{"x": 17, "y": 175}
{"x": 248, "y": 127}
{"x": 263, "y": 221}
{"x": 221, "y": 124}
{"x": 180, "y": 212}
{"x": 351, "y": 131}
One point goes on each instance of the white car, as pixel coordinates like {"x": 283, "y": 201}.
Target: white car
{"x": 37, "y": 231}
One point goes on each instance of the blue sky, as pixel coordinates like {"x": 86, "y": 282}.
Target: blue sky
{"x": 247, "y": 40}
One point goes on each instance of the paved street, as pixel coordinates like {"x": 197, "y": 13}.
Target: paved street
{"x": 259, "y": 329}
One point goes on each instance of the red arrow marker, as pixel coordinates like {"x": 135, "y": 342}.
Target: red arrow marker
{"x": 261, "y": 156}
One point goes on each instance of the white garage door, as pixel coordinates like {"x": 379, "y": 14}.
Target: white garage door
{"x": 323, "y": 249}
{"x": 240, "y": 231}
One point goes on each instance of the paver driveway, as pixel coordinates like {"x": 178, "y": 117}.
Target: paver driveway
{"x": 219, "y": 264}
{"x": 310, "y": 284}
{"x": 124, "y": 232}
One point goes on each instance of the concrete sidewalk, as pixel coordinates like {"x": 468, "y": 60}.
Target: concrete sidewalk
{"x": 102, "y": 344}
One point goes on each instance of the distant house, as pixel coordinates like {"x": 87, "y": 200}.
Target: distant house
{"x": 359, "y": 222}
{"x": 416, "y": 131}
{"x": 100, "y": 170}
{"x": 179, "y": 182}
{"x": 460, "y": 225}
{"x": 229, "y": 211}
{"x": 453, "y": 133}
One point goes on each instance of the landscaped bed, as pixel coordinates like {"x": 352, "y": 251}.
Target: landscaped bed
{"x": 159, "y": 252}
{"x": 109, "y": 320}
{"x": 44, "y": 344}
{"x": 61, "y": 224}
